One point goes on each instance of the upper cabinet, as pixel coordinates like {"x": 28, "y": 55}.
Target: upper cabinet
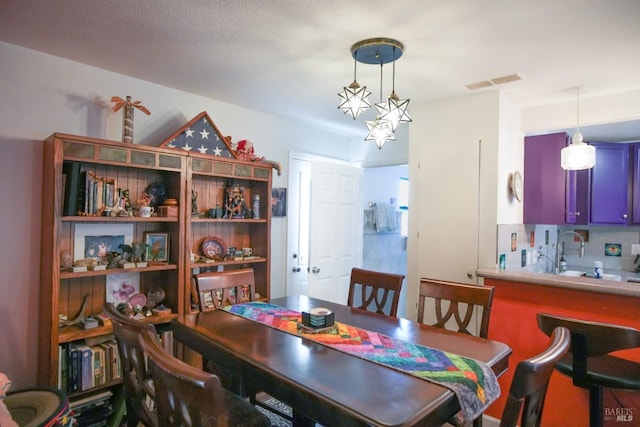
{"x": 550, "y": 193}
{"x": 610, "y": 183}
{"x": 635, "y": 182}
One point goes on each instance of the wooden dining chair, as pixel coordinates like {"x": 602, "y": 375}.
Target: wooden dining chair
{"x": 136, "y": 378}
{"x": 377, "y": 290}
{"x": 187, "y": 396}
{"x": 530, "y": 382}
{"x": 462, "y": 302}
{"x": 589, "y": 362}
{"x": 219, "y": 289}
{"x": 222, "y": 288}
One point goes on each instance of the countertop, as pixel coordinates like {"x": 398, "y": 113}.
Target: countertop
{"x": 602, "y": 286}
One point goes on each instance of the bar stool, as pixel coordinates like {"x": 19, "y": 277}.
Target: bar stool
{"x": 589, "y": 362}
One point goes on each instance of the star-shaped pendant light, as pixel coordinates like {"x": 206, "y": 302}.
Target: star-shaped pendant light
{"x": 395, "y": 109}
{"x": 380, "y": 131}
{"x": 354, "y": 98}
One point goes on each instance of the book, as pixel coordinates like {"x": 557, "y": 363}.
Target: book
{"x": 106, "y": 348}
{"x": 99, "y": 376}
{"x": 73, "y": 375}
{"x": 86, "y": 366}
{"x": 71, "y": 171}
{"x": 81, "y": 205}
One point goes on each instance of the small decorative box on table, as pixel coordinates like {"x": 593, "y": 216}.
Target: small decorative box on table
{"x": 318, "y": 319}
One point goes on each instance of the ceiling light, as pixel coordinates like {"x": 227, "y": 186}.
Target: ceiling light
{"x": 354, "y": 97}
{"x": 578, "y": 155}
{"x": 390, "y": 113}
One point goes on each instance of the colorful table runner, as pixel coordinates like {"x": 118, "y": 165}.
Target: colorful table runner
{"x": 473, "y": 382}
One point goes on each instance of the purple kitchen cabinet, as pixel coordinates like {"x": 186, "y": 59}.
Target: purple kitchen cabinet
{"x": 550, "y": 192}
{"x": 635, "y": 184}
{"x": 610, "y": 184}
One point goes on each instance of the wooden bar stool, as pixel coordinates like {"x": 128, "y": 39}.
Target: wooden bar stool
{"x": 589, "y": 362}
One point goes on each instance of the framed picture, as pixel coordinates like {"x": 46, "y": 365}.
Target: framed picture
{"x": 157, "y": 246}
{"x": 96, "y": 240}
{"x": 121, "y": 286}
{"x": 278, "y": 202}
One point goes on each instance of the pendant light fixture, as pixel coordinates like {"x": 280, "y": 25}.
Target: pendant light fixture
{"x": 381, "y": 129}
{"x": 391, "y": 113}
{"x": 354, "y": 97}
{"x": 578, "y": 155}
{"x": 395, "y": 109}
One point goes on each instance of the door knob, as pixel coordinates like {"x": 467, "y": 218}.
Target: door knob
{"x": 470, "y": 275}
{"x": 315, "y": 270}
{"x": 296, "y": 269}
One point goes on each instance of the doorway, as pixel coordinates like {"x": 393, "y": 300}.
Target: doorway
{"x": 324, "y": 238}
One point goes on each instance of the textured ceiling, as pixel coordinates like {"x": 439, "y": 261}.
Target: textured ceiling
{"x": 292, "y": 57}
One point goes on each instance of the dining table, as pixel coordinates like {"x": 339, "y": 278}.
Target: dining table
{"x": 327, "y": 385}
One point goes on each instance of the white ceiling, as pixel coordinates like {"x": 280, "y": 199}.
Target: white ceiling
{"x": 292, "y": 57}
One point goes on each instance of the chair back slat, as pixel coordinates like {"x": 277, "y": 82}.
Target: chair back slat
{"x": 376, "y": 289}
{"x": 458, "y": 301}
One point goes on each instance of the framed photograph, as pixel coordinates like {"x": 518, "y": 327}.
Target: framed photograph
{"x": 157, "y": 246}
{"x": 121, "y": 286}
{"x": 96, "y": 240}
{"x": 278, "y": 201}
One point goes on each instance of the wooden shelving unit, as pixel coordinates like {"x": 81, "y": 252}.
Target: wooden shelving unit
{"x": 134, "y": 167}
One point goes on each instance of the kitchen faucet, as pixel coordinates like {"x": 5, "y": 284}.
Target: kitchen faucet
{"x": 558, "y": 252}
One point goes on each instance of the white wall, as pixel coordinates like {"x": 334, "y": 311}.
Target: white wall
{"x": 43, "y": 94}
{"x": 594, "y": 110}
{"x": 381, "y": 184}
{"x": 457, "y": 185}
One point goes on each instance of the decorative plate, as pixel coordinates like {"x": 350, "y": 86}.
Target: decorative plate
{"x": 516, "y": 185}
{"x": 214, "y": 248}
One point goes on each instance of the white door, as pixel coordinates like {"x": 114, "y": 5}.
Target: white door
{"x": 335, "y": 229}
{"x": 298, "y": 200}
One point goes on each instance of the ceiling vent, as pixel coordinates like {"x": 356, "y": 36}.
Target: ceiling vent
{"x": 494, "y": 82}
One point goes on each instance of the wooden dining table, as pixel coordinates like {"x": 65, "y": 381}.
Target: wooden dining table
{"x": 327, "y": 385}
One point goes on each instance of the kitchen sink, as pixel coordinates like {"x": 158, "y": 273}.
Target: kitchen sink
{"x": 578, "y": 273}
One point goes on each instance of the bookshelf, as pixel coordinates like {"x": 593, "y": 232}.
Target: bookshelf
{"x": 135, "y": 167}
{"x": 66, "y": 230}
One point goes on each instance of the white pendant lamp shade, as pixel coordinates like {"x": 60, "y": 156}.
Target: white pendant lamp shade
{"x": 578, "y": 155}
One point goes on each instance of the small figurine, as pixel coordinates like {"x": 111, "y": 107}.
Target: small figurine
{"x": 245, "y": 151}
{"x": 235, "y": 206}
{"x": 126, "y": 202}
{"x": 127, "y": 115}
{"x": 194, "y": 202}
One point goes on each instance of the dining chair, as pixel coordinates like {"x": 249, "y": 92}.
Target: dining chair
{"x": 221, "y": 288}
{"x": 377, "y": 290}
{"x": 530, "y": 382}
{"x": 463, "y": 301}
{"x": 589, "y": 362}
{"x": 136, "y": 378}
{"x": 188, "y": 396}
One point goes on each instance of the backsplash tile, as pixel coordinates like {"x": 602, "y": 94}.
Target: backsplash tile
{"x": 539, "y": 244}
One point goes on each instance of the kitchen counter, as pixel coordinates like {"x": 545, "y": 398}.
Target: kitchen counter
{"x": 518, "y": 298}
{"x": 602, "y": 286}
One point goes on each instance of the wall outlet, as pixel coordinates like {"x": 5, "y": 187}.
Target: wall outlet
{"x": 635, "y": 249}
